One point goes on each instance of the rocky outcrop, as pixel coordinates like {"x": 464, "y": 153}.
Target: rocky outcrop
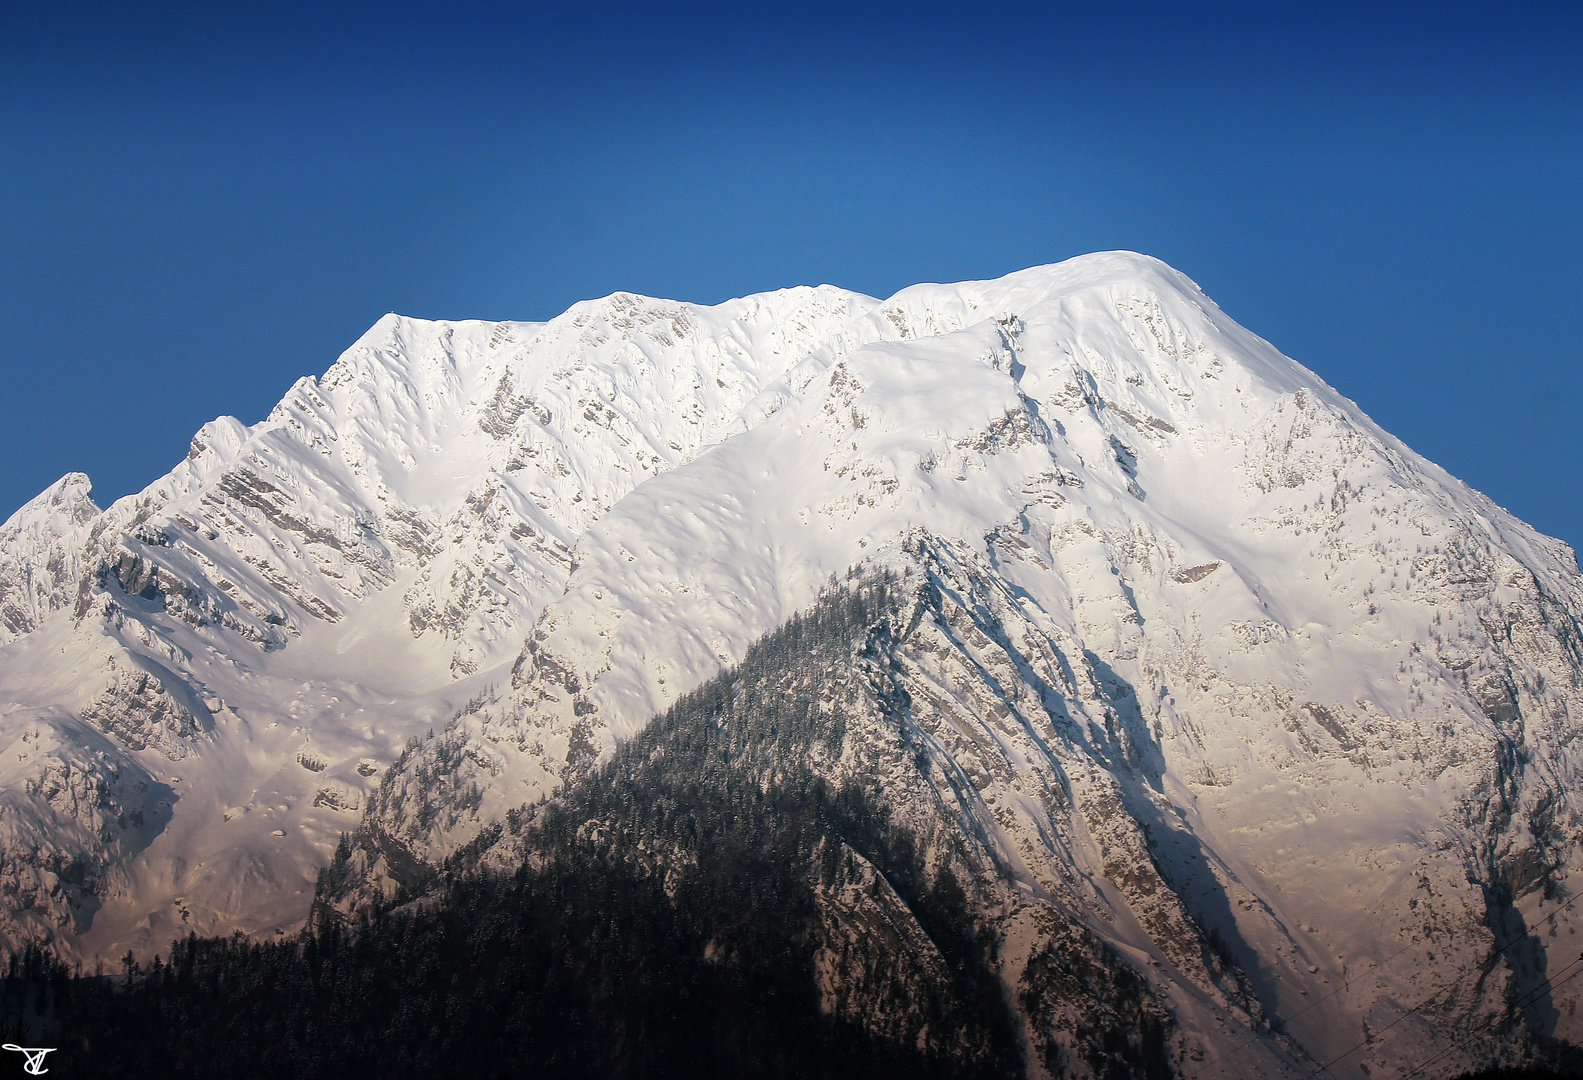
{"x": 1230, "y": 716}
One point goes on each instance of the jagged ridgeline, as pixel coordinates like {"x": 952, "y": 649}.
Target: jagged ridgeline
{"x": 707, "y": 903}
{"x": 1240, "y": 727}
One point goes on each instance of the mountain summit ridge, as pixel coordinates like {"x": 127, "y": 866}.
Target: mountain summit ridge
{"x": 1197, "y": 657}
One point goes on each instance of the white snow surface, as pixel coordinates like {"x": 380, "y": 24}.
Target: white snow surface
{"x": 1353, "y": 682}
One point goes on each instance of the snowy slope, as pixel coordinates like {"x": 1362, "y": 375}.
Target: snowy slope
{"x": 273, "y": 619}
{"x": 1208, "y": 663}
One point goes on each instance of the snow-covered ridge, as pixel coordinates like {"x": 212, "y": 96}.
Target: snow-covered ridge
{"x": 1201, "y": 634}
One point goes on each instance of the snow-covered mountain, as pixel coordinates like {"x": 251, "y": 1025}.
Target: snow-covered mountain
{"x": 1197, "y": 663}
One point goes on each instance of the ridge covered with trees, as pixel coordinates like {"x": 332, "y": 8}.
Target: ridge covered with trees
{"x": 662, "y": 919}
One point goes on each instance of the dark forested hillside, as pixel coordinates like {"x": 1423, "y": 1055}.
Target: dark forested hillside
{"x": 662, "y": 918}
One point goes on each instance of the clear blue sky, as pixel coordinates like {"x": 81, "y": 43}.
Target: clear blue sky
{"x": 199, "y": 204}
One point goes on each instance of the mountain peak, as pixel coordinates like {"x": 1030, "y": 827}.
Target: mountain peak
{"x": 66, "y": 503}
{"x": 1179, "y": 647}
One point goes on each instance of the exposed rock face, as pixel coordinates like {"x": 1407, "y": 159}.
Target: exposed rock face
{"x": 76, "y": 812}
{"x": 1215, "y": 697}
{"x": 42, "y": 542}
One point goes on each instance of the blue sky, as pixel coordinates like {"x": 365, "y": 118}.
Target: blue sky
{"x": 199, "y": 205}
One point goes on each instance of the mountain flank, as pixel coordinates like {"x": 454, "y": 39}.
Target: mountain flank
{"x": 1041, "y": 674}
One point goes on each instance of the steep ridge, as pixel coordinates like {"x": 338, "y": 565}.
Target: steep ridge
{"x": 284, "y": 609}
{"x": 1199, "y": 661}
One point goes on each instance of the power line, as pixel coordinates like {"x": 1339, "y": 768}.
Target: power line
{"x": 1569, "y": 1059}
{"x": 1369, "y": 1038}
{"x": 1523, "y": 1000}
{"x": 1317, "y": 1001}
{"x": 1489, "y": 962}
{"x": 1312, "y": 1004}
{"x": 1531, "y": 996}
